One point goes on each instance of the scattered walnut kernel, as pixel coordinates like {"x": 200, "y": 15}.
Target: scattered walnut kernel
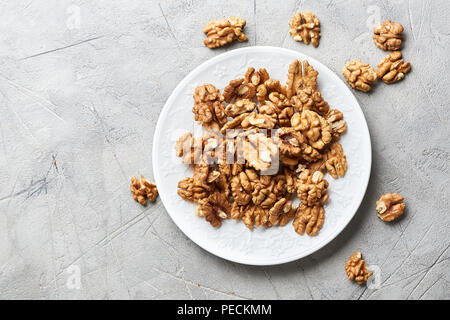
{"x": 359, "y": 75}
{"x": 392, "y": 68}
{"x": 304, "y": 26}
{"x": 143, "y": 190}
{"x": 356, "y": 268}
{"x": 390, "y": 206}
{"x": 223, "y": 31}
{"x": 388, "y": 35}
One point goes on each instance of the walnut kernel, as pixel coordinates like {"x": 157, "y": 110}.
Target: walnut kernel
{"x": 390, "y": 206}
{"x": 356, "y": 268}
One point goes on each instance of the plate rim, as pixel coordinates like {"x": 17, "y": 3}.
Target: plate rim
{"x": 157, "y": 178}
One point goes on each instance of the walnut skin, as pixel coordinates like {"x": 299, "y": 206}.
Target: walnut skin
{"x": 223, "y": 31}
{"x": 390, "y": 206}
{"x": 359, "y": 75}
{"x": 304, "y": 26}
{"x": 300, "y": 78}
{"x": 392, "y": 68}
{"x": 388, "y": 35}
{"x": 356, "y": 268}
{"x": 143, "y": 190}
{"x": 309, "y": 219}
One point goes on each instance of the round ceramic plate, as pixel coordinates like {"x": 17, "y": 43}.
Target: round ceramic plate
{"x": 233, "y": 241}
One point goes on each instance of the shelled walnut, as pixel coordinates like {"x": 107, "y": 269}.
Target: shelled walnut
{"x": 392, "y": 68}
{"x": 300, "y": 76}
{"x": 314, "y": 127}
{"x": 208, "y": 108}
{"x": 356, "y": 268}
{"x": 336, "y": 163}
{"x": 143, "y": 190}
{"x": 359, "y": 75}
{"x": 390, "y": 206}
{"x": 256, "y": 77}
{"x": 305, "y": 27}
{"x": 223, "y": 31}
{"x": 309, "y": 219}
{"x": 215, "y": 208}
{"x": 310, "y": 99}
{"x": 312, "y": 188}
{"x": 239, "y": 89}
{"x": 336, "y": 119}
{"x": 388, "y": 35}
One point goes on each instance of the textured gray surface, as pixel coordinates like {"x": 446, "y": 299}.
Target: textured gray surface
{"x": 81, "y": 87}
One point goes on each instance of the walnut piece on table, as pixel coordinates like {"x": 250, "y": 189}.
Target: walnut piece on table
{"x": 305, "y": 27}
{"x": 356, "y": 268}
{"x": 390, "y": 206}
{"x": 223, "y": 31}
{"x": 359, "y": 75}
{"x": 392, "y": 68}
{"x": 143, "y": 190}
{"x": 388, "y": 35}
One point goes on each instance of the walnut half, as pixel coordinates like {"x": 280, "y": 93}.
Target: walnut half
{"x": 305, "y": 27}
{"x": 388, "y": 35}
{"x": 359, "y": 75}
{"x": 356, "y": 268}
{"x": 392, "y": 68}
{"x": 390, "y": 206}
{"x": 223, "y": 31}
{"x": 142, "y": 190}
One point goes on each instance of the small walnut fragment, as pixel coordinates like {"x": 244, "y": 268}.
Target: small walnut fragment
{"x": 309, "y": 219}
{"x": 223, "y": 31}
{"x": 143, "y": 190}
{"x": 356, "y": 268}
{"x": 390, "y": 206}
{"x": 359, "y": 75}
{"x": 305, "y": 27}
{"x": 392, "y": 68}
{"x": 388, "y": 35}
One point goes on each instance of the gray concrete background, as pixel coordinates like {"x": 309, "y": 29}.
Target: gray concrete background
{"x": 81, "y": 86}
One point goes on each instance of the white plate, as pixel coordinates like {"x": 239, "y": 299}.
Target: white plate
{"x": 233, "y": 241}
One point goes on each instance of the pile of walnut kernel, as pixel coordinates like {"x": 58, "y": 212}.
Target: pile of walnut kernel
{"x": 306, "y": 145}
